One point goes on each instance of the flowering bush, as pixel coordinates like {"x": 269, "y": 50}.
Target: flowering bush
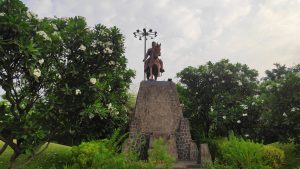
{"x": 280, "y": 91}
{"x": 222, "y": 96}
{"x": 58, "y": 79}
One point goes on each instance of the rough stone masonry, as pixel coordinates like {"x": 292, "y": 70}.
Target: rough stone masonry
{"x": 158, "y": 114}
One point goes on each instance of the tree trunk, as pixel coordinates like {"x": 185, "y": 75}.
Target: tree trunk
{"x": 13, "y": 159}
{"x": 3, "y": 148}
{"x": 206, "y": 130}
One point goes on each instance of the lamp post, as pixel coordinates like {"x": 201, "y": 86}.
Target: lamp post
{"x": 145, "y": 34}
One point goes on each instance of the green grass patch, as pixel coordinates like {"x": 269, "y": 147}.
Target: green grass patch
{"x": 56, "y": 156}
{"x": 292, "y": 158}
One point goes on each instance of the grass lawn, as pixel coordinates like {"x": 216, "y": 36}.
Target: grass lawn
{"x": 56, "y": 156}
{"x": 292, "y": 159}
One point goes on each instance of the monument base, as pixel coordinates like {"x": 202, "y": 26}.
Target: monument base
{"x": 158, "y": 114}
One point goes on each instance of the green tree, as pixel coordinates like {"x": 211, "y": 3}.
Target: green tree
{"x": 59, "y": 77}
{"x": 219, "y": 97}
{"x": 280, "y": 91}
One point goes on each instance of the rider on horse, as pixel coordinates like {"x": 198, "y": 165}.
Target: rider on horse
{"x": 153, "y": 57}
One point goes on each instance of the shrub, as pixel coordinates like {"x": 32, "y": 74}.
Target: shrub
{"x": 273, "y": 156}
{"x": 242, "y": 154}
{"x": 104, "y": 154}
{"x": 158, "y": 156}
{"x": 214, "y": 147}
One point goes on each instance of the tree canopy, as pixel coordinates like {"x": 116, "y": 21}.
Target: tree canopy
{"x": 221, "y": 97}
{"x": 60, "y": 77}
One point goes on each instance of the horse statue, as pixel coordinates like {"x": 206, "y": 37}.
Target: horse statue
{"x": 153, "y": 65}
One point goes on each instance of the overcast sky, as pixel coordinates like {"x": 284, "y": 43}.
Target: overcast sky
{"x": 254, "y": 32}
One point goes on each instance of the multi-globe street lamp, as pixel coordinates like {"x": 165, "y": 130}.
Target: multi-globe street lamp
{"x": 145, "y": 34}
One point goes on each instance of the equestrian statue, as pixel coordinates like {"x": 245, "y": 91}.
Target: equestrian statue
{"x": 153, "y": 66}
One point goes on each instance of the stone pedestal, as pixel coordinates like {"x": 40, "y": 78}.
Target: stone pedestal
{"x": 158, "y": 114}
{"x": 205, "y": 156}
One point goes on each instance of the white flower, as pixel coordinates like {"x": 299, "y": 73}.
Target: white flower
{"x": 108, "y": 44}
{"x": 93, "y": 45}
{"x": 77, "y": 92}
{"x": 238, "y": 121}
{"x": 211, "y": 108}
{"x": 44, "y": 35}
{"x": 55, "y": 33}
{"x": 37, "y": 72}
{"x": 91, "y": 116}
{"x": 100, "y": 43}
{"x": 245, "y": 114}
{"x": 246, "y": 135}
{"x": 109, "y": 106}
{"x": 68, "y": 51}
{"x": 284, "y": 115}
{"x": 93, "y": 80}
{"x": 223, "y": 81}
{"x": 224, "y": 117}
{"x": 269, "y": 87}
{"x": 109, "y": 88}
{"x": 278, "y": 85}
{"x": 181, "y": 104}
{"x": 65, "y": 19}
{"x": 2, "y": 14}
{"x": 111, "y": 63}
{"x": 41, "y": 61}
{"x": 96, "y": 52}
{"x": 245, "y": 107}
{"x": 107, "y": 50}
{"x": 7, "y": 104}
{"x": 30, "y": 14}
{"x": 294, "y": 109}
{"x": 54, "y": 27}
{"x": 240, "y": 83}
{"x": 58, "y": 76}
{"x": 82, "y": 47}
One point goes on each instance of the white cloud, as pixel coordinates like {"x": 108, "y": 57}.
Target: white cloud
{"x": 258, "y": 33}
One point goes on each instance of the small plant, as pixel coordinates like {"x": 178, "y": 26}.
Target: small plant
{"x": 158, "y": 156}
{"x": 273, "y": 156}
